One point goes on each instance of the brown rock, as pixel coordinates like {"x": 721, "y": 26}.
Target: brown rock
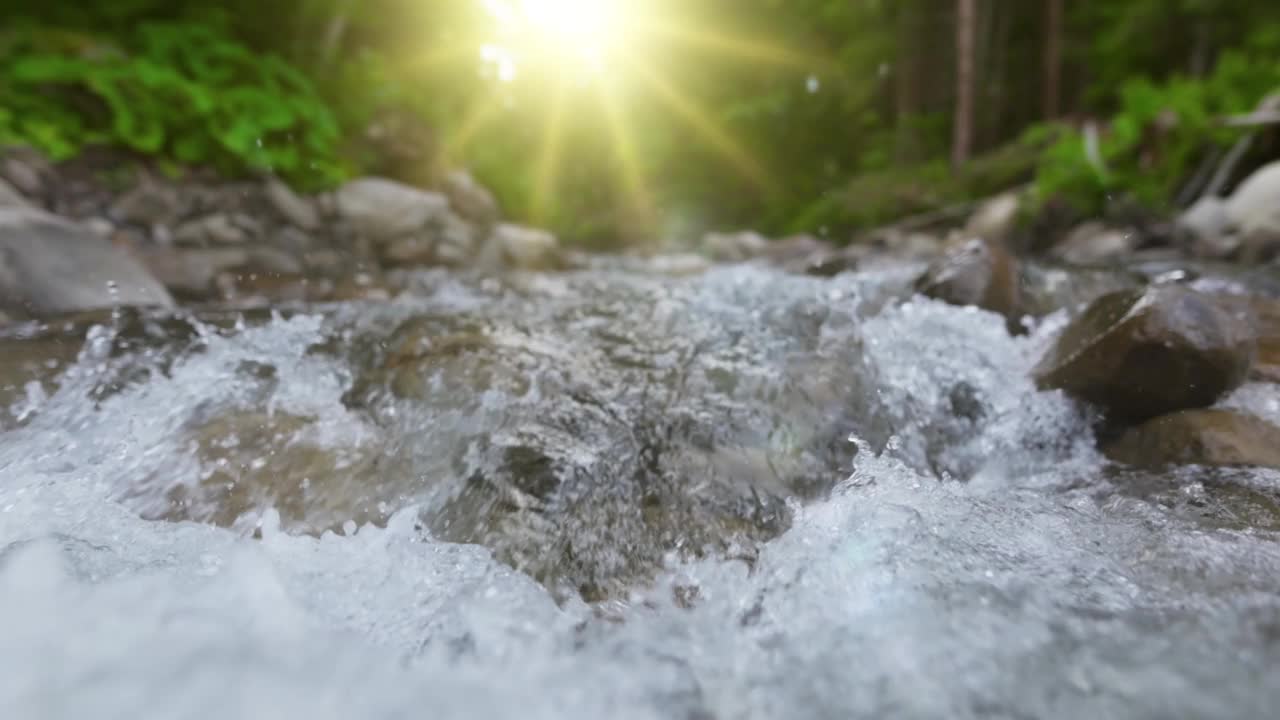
{"x": 1199, "y": 437}
{"x": 1266, "y": 365}
{"x": 1143, "y": 353}
{"x": 975, "y": 272}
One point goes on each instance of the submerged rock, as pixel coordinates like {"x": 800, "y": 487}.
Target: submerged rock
{"x": 1143, "y": 353}
{"x": 976, "y": 272}
{"x": 49, "y": 266}
{"x": 1199, "y": 437}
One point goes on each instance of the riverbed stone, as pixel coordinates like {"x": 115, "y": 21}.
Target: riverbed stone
{"x": 216, "y": 229}
{"x": 26, "y": 170}
{"x": 296, "y": 209}
{"x": 515, "y": 247}
{"x": 734, "y": 246}
{"x": 383, "y": 210}
{"x": 1199, "y": 437}
{"x": 1254, "y": 208}
{"x": 996, "y": 218}
{"x": 471, "y": 200}
{"x": 10, "y": 197}
{"x": 49, "y": 265}
{"x": 148, "y": 203}
{"x": 190, "y": 272}
{"x": 1143, "y": 353}
{"x": 974, "y": 272}
{"x": 1266, "y": 364}
{"x": 1093, "y": 243}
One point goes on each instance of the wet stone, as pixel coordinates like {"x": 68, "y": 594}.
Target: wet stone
{"x": 1200, "y": 437}
{"x": 1143, "y": 353}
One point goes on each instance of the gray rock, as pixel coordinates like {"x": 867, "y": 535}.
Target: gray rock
{"x": 1093, "y": 243}
{"x": 48, "y": 266}
{"x": 297, "y": 210}
{"x": 455, "y": 240}
{"x": 384, "y": 210}
{"x": 1143, "y": 353}
{"x": 977, "y": 272}
{"x": 1206, "y": 219}
{"x": 101, "y": 227}
{"x": 10, "y": 197}
{"x": 274, "y": 260}
{"x": 515, "y": 247}
{"x": 219, "y": 229}
{"x": 148, "y": 203}
{"x": 1254, "y": 208}
{"x": 448, "y": 240}
{"x": 734, "y": 247}
{"x": 191, "y": 272}
{"x": 471, "y": 200}
{"x": 996, "y": 218}
{"x": 25, "y": 170}
{"x": 410, "y": 250}
{"x": 325, "y": 261}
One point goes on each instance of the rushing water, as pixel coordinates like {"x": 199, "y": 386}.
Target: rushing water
{"x": 607, "y": 494}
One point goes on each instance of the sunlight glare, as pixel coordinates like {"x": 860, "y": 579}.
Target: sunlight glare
{"x": 573, "y": 32}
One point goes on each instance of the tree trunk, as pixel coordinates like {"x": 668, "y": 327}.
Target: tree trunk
{"x": 906, "y": 85}
{"x": 1052, "y": 85}
{"x": 962, "y": 142}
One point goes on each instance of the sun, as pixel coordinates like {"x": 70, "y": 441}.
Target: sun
{"x": 581, "y": 33}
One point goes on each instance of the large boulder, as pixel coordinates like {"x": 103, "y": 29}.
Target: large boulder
{"x": 49, "y": 266}
{"x": 976, "y": 272}
{"x": 1143, "y": 353}
{"x": 384, "y": 210}
{"x": 1205, "y": 228}
{"x": 1199, "y": 437}
{"x": 1254, "y": 208}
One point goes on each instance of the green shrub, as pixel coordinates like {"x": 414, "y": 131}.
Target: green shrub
{"x": 1156, "y": 138}
{"x": 183, "y": 92}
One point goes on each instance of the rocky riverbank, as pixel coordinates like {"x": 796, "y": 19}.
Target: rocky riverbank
{"x": 1152, "y": 331}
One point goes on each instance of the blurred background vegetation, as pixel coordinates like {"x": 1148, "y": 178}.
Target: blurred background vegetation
{"x": 787, "y": 116}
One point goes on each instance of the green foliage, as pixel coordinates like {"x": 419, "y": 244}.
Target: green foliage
{"x": 829, "y": 114}
{"x": 182, "y": 91}
{"x": 1158, "y": 135}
